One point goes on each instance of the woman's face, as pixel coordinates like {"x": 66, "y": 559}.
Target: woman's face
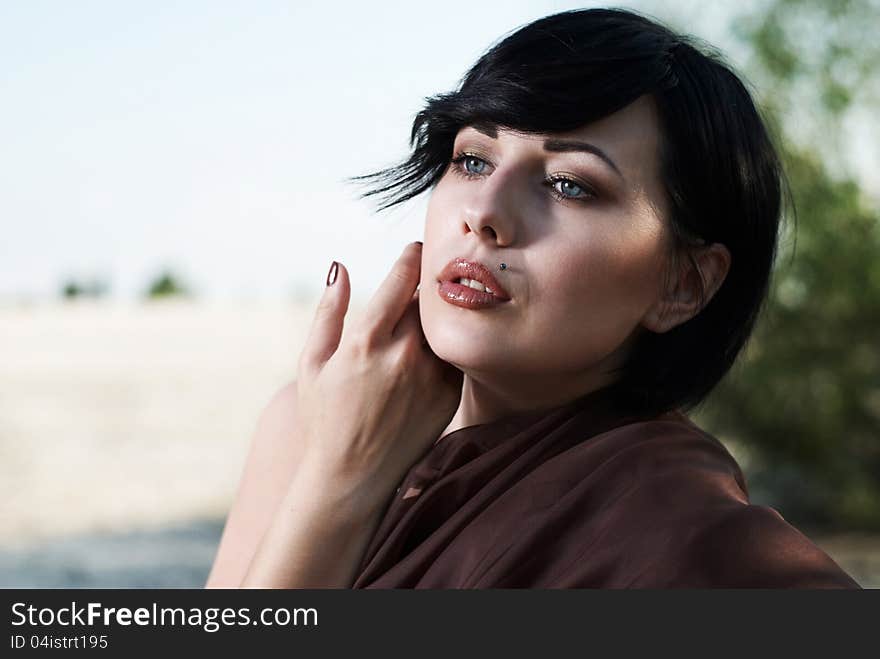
{"x": 582, "y": 235}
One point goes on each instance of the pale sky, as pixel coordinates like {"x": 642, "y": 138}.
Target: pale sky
{"x": 214, "y": 137}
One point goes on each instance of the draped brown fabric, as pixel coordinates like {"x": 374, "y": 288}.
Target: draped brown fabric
{"x": 586, "y": 495}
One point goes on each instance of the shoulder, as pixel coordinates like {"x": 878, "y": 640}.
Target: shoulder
{"x": 668, "y": 459}
{"x": 679, "y": 507}
{"x": 754, "y": 547}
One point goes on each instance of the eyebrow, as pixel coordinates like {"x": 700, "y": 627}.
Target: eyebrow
{"x": 557, "y": 145}
{"x": 561, "y": 146}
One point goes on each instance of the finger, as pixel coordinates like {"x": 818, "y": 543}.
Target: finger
{"x": 326, "y": 329}
{"x": 391, "y": 299}
{"x": 410, "y": 324}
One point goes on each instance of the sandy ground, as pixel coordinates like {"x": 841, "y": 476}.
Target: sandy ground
{"x": 113, "y": 417}
{"x": 123, "y": 430}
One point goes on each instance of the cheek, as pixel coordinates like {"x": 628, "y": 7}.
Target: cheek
{"x": 596, "y": 295}
{"x": 437, "y": 214}
{"x": 434, "y": 252}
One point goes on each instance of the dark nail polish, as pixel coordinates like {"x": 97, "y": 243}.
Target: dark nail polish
{"x": 331, "y": 276}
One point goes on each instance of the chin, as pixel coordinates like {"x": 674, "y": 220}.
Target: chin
{"x": 466, "y": 353}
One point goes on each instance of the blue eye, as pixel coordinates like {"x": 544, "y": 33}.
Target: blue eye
{"x": 565, "y": 189}
{"x": 469, "y": 165}
{"x": 569, "y": 188}
{"x": 480, "y": 165}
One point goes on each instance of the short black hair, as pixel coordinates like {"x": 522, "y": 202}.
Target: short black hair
{"x": 721, "y": 172}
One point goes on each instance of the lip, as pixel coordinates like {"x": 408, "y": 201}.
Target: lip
{"x": 465, "y": 296}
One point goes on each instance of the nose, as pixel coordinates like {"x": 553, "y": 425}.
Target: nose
{"x": 492, "y": 210}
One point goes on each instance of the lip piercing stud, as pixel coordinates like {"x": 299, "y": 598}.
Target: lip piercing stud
{"x": 503, "y": 266}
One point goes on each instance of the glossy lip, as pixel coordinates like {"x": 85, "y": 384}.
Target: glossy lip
{"x": 461, "y": 267}
{"x": 467, "y": 297}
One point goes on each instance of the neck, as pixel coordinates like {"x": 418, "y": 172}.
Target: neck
{"x": 484, "y": 400}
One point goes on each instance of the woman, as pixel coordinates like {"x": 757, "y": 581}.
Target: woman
{"x": 509, "y": 412}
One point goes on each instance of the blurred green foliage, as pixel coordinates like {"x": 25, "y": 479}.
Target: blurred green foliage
{"x": 95, "y": 288}
{"x": 802, "y": 406}
{"x": 167, "y": 284}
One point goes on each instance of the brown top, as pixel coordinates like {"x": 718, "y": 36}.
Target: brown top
{"x": 586, "y": 496}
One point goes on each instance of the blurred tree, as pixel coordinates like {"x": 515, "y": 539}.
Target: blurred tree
{"x": 94, "y": 288}
{"x": 803, "y": 403}
{"x": 167, "y": 284}
{"x": 71, "y": 290}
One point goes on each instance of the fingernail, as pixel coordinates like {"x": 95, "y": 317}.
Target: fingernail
{"x": 418, "y": 242}
{"x": 331, "y": 275}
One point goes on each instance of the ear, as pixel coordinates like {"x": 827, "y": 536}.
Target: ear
{"x": 681, "y": 300}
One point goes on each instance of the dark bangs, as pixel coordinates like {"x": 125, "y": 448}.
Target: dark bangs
{"x": 554, "y": 75}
